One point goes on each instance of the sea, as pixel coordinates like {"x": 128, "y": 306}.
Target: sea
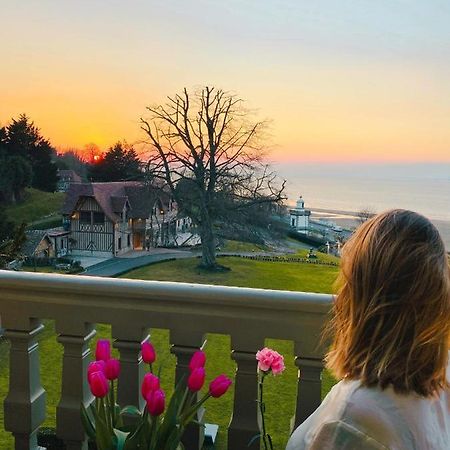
{"x": 352, "y": 187}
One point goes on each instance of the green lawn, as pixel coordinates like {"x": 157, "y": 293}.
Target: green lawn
{"x": 280, "y": 391}
{"x": 244, "y": 273}
{"x": 231, "y": 246}
{"x": 37, "y": 206}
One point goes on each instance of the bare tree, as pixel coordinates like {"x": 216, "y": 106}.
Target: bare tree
{"x": 364, "y": 215}
{"x": 209, "y": 152}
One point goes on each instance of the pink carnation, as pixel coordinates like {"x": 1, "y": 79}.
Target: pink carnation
{"x": 270, "y": 360}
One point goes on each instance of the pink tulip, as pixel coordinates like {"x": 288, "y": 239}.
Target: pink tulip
{"x": 148, "y": 353}
{"x": 219, "y": 386}
{"x": 95, "y": 366}
{"x": 112, "y": 369}
{"x": 196, "y": 379}
{"x": 99, "y": 384}
{"x": 156, "y": 402}
{"x": 198, "y": 360}
{"x": 150, "y": 383}
{"x": 270, "y": 360}
{"x": 103, "y": 350}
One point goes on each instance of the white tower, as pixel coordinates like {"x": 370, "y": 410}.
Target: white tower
{"x": 299, "y": 217}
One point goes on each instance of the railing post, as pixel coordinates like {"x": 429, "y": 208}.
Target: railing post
{"x": 132, "y": 369}
{"x": 25, "y": 403}
{"x": 184, "y": 345}
{"x": 75, "y": 389}
{"x": 309, "y": 388}
{"x": 244, "y": 422}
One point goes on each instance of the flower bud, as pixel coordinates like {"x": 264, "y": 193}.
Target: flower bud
{"x": 148, "y": 353}
{"x": 99, "y": 384}
{"x": 103, "y": 350}
{"x": 219, "y": 386}
{"x": 198, "y": 360}
{"x": 196, "y": 379}
{"x": 156, "y": 401}
{"x": 95, "y": 366}
{"x": 150, "y": 383}
{"x": 112, "y": 369}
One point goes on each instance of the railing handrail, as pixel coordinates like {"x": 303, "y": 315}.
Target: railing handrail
{"x": 16, "y": 284}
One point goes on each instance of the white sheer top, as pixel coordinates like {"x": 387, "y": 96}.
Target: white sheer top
{"x": 353, "y": 417}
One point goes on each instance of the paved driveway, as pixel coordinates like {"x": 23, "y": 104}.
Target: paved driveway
{"x": 116, "y": 266}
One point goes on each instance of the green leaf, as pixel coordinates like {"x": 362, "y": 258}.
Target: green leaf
{"x": 88, "y": 424}
{"x": 170, "y": 417}
{"x": 131, "y": 410}
{"x": 104, "y": 434}
{"x": 133, "y": 439}
{"x": 121, "y": 439}
{"x": 253, "y": 439}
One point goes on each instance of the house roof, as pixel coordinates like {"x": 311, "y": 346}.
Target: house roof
{"x": 69, "y": 175}
{"x": 34, "y": 238}
{"x": 112, "y": 198}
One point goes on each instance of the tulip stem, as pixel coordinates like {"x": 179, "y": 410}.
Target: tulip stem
{"x": 112, "y": 404}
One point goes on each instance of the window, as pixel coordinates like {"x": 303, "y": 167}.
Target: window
{"x": 99, "y": 217}
{"x": 128, "y": 240}
{"x": 119, "y": 243}
{"x": 85, "y": 217}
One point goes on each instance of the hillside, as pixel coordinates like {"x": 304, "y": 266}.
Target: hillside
{"x": 42, "y": 209}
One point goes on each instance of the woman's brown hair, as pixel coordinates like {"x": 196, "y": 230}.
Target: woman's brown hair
{"x": 391, "y": 317}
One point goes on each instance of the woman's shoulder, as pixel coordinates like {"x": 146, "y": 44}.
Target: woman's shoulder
{"x": 337, "y": 434}
{"x": 361, "y": 417}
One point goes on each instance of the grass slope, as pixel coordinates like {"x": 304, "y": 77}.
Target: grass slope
{"x": 280, "y": 392}
{"x": 37, "y": 206}
{"x": 244, "y": 273}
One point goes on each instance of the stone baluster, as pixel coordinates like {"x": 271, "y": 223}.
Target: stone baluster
{"x": 75, "y": 389}
{"x": 128, "y": 341}
{"x": 244, "y": 423}
{"x": 309, "y": 388}
{"x": 25, "y": 403}
{"x": 184, "y": 345}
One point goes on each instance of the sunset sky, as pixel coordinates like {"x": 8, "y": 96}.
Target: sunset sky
{"x": 340, "y": 80}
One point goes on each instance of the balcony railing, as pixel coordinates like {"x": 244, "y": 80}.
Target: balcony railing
{"x": 131, "y": 307}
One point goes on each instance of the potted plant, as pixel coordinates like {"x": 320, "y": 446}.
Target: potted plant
{"x": 160, "y": 426}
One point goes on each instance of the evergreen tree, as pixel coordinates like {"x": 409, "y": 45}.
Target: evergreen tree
{"x": 119, "y": 163}
{"x": 23, "y": 139}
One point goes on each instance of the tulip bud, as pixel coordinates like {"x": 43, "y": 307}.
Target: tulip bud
{"x": 219, "y": 386}
{"x": 150, "y": 383}
{"x": 196, "y": 379}
{"x": 112, "y": 369}
{"x": 103, "y": 350}
{"x": 198, "y": 360}
{"x": 148, "y": 353}
{"x": 95, "y": 366}
{"x": 156, "y": 402}
{"x": 99, "y": 384}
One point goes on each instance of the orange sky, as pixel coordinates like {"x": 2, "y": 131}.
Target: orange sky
{"x": 354, "y": 82}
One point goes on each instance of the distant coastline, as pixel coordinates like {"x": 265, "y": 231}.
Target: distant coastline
{"x": 349, "y": 219}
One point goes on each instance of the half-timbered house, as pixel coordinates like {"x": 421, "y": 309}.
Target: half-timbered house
{"x": 109, "y": 219}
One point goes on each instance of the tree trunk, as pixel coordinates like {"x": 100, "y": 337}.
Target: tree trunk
{"x": 208, "y": 245}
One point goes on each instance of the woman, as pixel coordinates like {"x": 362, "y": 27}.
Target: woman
{"x": 390, "y": 328}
